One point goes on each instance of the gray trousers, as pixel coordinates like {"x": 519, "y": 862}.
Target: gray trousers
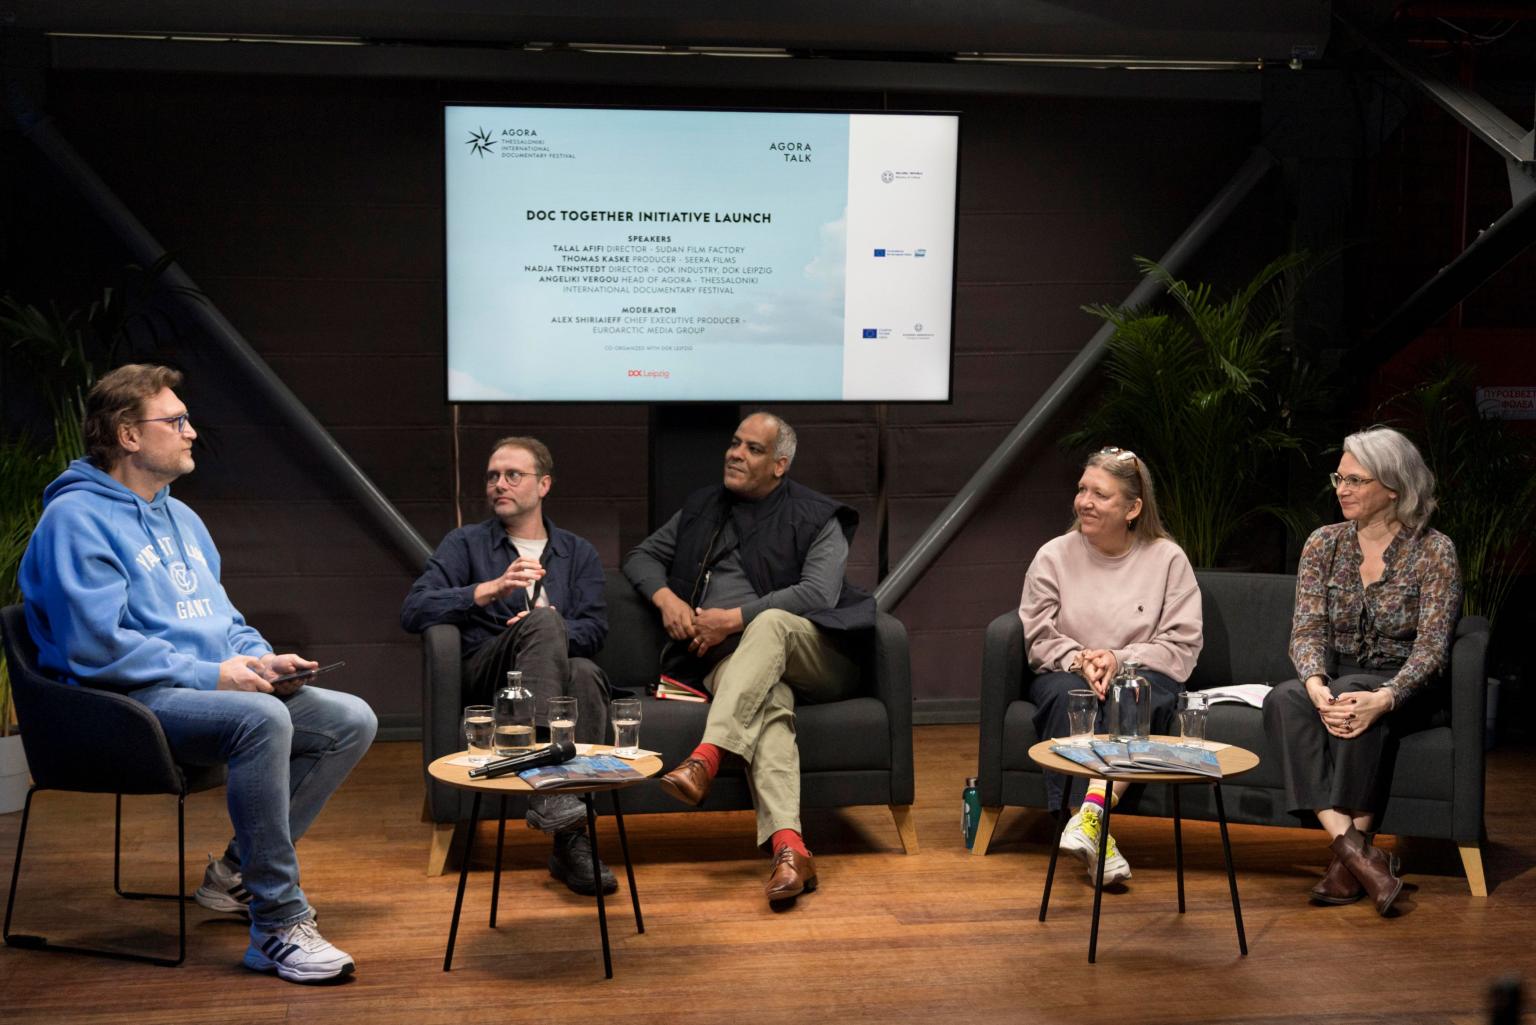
{"x": 782, "y": 658}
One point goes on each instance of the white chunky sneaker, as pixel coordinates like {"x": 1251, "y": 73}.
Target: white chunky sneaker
{"x": 297, "y": 953}
{"x": 1081, "y": 840}
{"x": 223, "y": 889}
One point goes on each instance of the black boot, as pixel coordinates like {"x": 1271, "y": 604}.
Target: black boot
{"x": 571, "y": 863}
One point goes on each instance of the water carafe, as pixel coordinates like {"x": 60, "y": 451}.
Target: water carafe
{"x": 1129, "y": 716}
{"x": 514, "y": 716}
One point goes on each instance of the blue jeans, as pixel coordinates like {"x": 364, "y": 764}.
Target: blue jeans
{"x": 286, "y": 757}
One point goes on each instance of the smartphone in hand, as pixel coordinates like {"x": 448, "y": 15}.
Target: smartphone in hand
{"x": 305, "y": 674}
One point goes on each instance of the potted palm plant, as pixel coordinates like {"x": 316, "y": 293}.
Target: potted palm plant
{"x": 1215, "y": 394}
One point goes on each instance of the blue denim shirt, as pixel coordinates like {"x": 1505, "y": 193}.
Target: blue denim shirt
{"x": 445, "y": 591}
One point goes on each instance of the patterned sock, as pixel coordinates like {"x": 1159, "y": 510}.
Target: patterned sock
{"x": 1098, "y": 790}
{"x": 709, "y": 754}
{"x": 788, "y": 838}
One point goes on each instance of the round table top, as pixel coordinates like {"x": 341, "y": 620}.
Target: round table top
{"x": 1233, "y": 761}
{"x": 444, "y": 771}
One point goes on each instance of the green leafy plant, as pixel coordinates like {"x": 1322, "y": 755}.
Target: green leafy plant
{"x": 59, "y": 350}
{"x": 1485, "y": 475}
{"x": 1214, "y": 394}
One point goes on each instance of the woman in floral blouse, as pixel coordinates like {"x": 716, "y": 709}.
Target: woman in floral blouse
{"x": 1376, "y": 602}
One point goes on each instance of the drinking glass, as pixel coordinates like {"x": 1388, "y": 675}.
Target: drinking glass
{"x": 1082, "y": 711}
{"x": 562, "y": 720}
{"x": 479, "y": 731}
{"x": 625, "y": 715}
{"x": 1194, "y": 709}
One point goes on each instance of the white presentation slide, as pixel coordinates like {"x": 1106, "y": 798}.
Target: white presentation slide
{"x": 698, "y": 255}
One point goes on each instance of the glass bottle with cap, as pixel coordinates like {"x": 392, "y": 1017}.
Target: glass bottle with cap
{"x": 514, "y": 716}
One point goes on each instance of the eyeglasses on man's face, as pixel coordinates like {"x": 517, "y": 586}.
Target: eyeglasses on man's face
{"x": 1351, "y": 482}
{"x": 179, "y": 421}
{"x": 512, "y": 477}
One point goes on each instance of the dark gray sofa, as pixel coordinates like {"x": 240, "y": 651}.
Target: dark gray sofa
{"x": 1437, "y": 783}
{"x": 852, "y": 752}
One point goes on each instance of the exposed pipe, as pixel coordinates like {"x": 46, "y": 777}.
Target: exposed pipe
{"x": 960, "y": 509}
{"x": 146, "y": 250}
{"x": 1505, "y": 239}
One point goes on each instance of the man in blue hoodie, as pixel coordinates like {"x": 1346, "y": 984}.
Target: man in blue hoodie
{"x": 526, "y": 595}
{"x": 122, "y": 591}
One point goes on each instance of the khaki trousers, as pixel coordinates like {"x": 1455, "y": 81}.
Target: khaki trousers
{"x": 782, "y": 658}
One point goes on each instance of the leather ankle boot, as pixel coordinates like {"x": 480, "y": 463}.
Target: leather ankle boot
{"x": 1338, "y": 885}
{"x": 1372, "y": 867}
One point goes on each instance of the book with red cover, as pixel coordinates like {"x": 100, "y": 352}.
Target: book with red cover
{"x": 668, "y": 689}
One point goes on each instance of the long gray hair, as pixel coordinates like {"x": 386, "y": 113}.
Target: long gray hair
{"x": 1395, "y": 461}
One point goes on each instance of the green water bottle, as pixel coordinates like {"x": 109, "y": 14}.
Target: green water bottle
{"x": 970, "y": 812}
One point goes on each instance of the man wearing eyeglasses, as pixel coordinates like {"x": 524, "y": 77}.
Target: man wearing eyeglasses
{"x": 526, "y": 595}
{"x": 122, "y": 591}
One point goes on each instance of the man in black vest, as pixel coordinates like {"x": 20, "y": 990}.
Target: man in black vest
{"x": 749, "y": 580}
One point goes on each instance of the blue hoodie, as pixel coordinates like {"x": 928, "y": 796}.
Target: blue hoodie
{"x": 124, "y": 593}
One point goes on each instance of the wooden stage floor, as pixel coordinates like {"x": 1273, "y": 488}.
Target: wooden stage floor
{"x": 937, "y": 936}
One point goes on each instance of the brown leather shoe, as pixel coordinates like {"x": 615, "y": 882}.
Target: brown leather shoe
{"x": 689, "y": 782}
{"x": 793, "y": 874}
{"x": 1337, "y": 886}
{"x": 1374, "y": 868}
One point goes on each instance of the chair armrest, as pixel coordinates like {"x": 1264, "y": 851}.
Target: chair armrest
{"x": 1003, "y": 670}
{"x": 442, "y": 692}
{"x": 1469, "y": 708}
{"x": 94, "y": 741}
{"x": 893, "y": 686}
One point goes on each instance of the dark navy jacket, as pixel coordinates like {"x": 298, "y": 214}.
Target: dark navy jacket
{"x": 445, "y": 591}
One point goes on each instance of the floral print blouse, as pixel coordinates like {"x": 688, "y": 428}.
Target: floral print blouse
{"x": 1401, "y": 623}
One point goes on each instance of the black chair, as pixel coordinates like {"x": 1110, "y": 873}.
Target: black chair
{"x": 852, "y": 752}
{"x": 1436, "y": 784}
{"x": 95, "y": 742}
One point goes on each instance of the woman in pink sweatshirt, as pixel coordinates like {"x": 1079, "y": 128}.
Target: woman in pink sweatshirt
{"x": 1114, "y": 587}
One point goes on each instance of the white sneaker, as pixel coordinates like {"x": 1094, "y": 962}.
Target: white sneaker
{"x": 1081, "y": 840}
{"x": 223, "y": 889}
{"x": 297, "y": 953}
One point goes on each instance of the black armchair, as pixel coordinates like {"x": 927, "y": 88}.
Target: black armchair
{"x": 1437, "y": 780}
{"x": 852, "y": 752}
{"x": 96, "y": 742}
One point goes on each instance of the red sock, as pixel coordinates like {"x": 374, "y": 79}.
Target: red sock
{"x": 1095, "y": 798}
{"x": 709, "y": 754}
{"x": 788, "y": 838}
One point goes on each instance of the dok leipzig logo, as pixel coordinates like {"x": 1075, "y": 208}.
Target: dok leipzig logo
{"x": 480, "y": 142}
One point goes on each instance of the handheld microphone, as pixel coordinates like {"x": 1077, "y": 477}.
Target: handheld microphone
{"x": 554, "y": 754}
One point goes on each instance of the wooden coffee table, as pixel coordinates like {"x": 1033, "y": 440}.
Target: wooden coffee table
{"x": 444, "y": 771}
{"x": 1233, "y": 761}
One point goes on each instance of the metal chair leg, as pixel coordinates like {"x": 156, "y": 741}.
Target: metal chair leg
{"x": 117, "y": 858}
{"x": 31, "y": 942}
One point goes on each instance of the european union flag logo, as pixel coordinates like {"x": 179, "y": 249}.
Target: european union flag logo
{"x": 879, "y": 252}
{"x": 870, "y": 332}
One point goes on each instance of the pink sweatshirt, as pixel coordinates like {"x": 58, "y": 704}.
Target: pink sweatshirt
{"x": 1144, "y": 605}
